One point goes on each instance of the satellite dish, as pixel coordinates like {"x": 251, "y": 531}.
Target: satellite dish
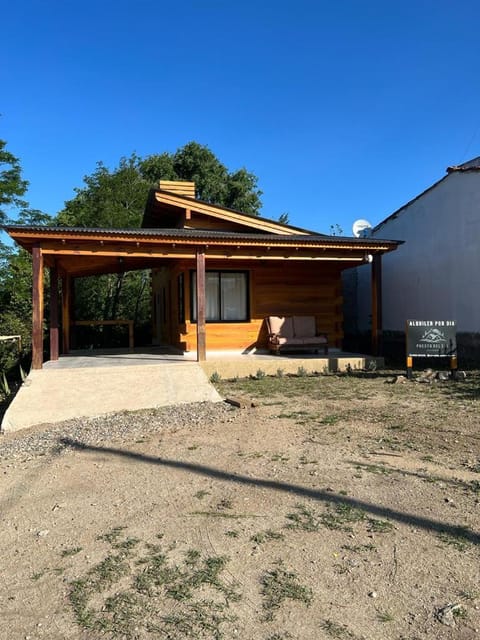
{"x": 361, "y": 228}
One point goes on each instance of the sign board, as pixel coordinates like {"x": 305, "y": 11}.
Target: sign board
{"x": 431, "y": 338}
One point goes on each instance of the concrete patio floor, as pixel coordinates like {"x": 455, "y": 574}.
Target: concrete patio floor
{"x": 91, "y": 383}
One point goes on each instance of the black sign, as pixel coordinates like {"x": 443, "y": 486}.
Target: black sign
{"x": 431, "y": 338}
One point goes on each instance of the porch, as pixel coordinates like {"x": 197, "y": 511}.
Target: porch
{"x": 227, "y": 363}
{"x": 90, "y": 383}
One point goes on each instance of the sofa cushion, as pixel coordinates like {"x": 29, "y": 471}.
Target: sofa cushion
{"x": 281, "y": 326}
{"x": 304, "y": 326}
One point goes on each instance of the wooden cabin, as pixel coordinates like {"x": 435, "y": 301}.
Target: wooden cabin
{"x": 216, "y": 273}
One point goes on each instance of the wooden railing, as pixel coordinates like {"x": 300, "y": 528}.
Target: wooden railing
{"x": 96, "y": 323}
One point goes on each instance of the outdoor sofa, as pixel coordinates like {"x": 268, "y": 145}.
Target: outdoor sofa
{"x": 294, "y": 333}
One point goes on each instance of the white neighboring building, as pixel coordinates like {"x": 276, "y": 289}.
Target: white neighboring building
{"x": 436, "y": 272}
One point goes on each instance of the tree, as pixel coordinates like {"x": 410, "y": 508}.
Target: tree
{"x": 113, "y": 199}
{"x": 213, "y": 182}
{"x": 12, "y": 186}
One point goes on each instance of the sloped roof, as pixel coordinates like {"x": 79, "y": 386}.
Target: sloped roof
{"x": 470, "y": 165}
{"x": 164, "y": 210}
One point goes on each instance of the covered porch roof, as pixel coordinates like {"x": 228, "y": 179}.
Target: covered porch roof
{"x": 77, "y": 252}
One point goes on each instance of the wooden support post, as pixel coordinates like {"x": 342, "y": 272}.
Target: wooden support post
{"x": 201, "y": 306}
{"x": 54, "y": 313}
{"x": 377, "y": 305}
{"x": 66, "y": 301}
{"x": 37, "y": 316}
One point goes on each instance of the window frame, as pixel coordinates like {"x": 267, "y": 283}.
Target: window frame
{"x": 243, "y": 272}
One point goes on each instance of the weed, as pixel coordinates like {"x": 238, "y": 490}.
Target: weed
{"x": 201, "y": 494}
{"x": 341, "y": 517}
{"x": 215, "y": 377}
{"x": 379, "y": 526}
{"x": 304, "y": 460}
{"x": 331, "y": 419}
{"x": 265, "y": 536}
{"x": 260, "y": 374}
{"x": 396, "y": 427}
{"x": 279, "y": 457}
{"x": 66, "y": 553}
{"x": 385, "y": 616}
{"x": 457, "y": 540}
{"x": 280, "y": 636}
{"x": 192, "y": 447}
{"x": 277, "y": 586}
{"x": 302, "y": 372}
{"x": 38, "y": 575}
{"x": 335, "y": 630}
{"x": 469, "y": 594}
{"x": 280, "y": 373}
{"x": 359, "y": 547}
{"x": 303, "y": 519}
{"x": 373, "y": 468}
{"x": 232, "y": 533}
{"x": 112, "y": 536}
{"x": 225, "y": 503}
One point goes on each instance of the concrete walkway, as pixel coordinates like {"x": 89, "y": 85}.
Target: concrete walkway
{"x": 54, "y": 394}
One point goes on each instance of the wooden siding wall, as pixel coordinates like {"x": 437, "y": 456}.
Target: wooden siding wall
{"x": 275, "y": 288}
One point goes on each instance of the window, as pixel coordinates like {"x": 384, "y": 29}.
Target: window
{"x": 226, "y": 296}
{"x": 181, "y": 299}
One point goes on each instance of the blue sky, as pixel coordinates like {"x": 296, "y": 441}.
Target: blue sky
{"x": 343, "y": 110}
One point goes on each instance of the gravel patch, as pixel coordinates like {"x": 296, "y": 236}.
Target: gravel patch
{"x": 117, "y": 427}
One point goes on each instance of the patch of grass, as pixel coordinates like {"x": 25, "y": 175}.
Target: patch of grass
{"x": 469, "y": 594}
{"x": 39, "y": 574}
{"x": 379, "y": 526}
{"x": 456, "y": 540}
{"x": 112, "y": 536}
{"x": 280, "y": 636}
{"x": 303, "y": 518}
{"x": 330, "y": 419}
{"x": 192, "y": 447}
{"x": 222, "y": 514}
{"x": 148, "y": 581}
{"x": 341, "y": 517}
{"x": 397, "y": 427}
{"x": 335, "y": 630}
{"x": 279, "y": 585}
{"x": 373, "y": 468}
{"x": 266, "y": 536}
{"x": 359, "y": 547}
{"x": 279, "y": 457}
{"x": 201, "y": 494}
{"x": 224, "y": 504}
{"x": 72, "y": 551}
{"x": 215, "y": 377}
{"x": 385, "y": 616}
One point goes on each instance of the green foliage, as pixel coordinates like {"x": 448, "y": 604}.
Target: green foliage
{"x": 116, "y": 198}
{"x": 12, "y": 186}
{"x": 113, "y": 199}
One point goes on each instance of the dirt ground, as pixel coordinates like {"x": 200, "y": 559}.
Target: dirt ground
{"x": 335, "y": 507}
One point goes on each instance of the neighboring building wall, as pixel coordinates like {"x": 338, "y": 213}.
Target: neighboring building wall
{"x": 436, "y": 273}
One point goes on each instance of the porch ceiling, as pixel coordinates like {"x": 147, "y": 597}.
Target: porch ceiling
{"x": 81, "y": 252}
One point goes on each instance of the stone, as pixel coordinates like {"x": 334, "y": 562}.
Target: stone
{"x": 446, "y": 615}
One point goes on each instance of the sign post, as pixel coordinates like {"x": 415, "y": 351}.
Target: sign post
{"x": 432, "y": 339}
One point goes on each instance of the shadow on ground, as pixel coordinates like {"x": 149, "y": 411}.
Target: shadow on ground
{"x": 427, "y": 524}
